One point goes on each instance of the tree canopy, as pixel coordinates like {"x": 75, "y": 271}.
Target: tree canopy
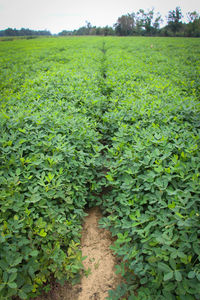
{"x": 146, "y": 23}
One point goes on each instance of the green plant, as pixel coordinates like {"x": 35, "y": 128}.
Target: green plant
{"x": 100, "y": 121}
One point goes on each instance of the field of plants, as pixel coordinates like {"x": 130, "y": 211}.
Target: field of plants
{"x": 109, "y": 122}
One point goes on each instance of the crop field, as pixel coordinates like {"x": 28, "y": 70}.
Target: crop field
{"x": 111, "y": 122}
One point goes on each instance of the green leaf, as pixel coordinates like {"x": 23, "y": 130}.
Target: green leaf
{"x": 5, "y": 276}
{"x": 3, "y": 264}
{"x": 186, "y": 297}
{"x": 34, "y": 253}
{"x": 22, "y": 294}
{"x": 152, "y": 259}
{"x": 2, "y": 286}
{"x": 5, "y": 116}
{"x": 17, "y": 261}
{"x": 169, "y": 286}
{"x": 196, "y": 247}
{"x": 12, "y": 285}
{"x": 168, "y": 276}
{"x": 158, "y": 169}
{"x": 178, "y": 275}
{"x": 143, "y": 280}
{"x": 163, "y": 267}
{"x": 42, "y": 233}
{"x": 168, "y": 295}
{"x": 109, "y": 177}
{"x": 191, "y": 274}
{"x": 12, "y": 277}
{"x": 172, "y": 205}
{"x": 18, "y": 171}
{"x": 168, "y": 170}
{"x": 22, "y": 130}
{"x": 172, "y": 263}
{"x": 179, "y": 215}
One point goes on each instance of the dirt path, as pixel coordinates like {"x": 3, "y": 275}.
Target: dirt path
{"x": 100, "y": 262}
{"x": 95, "y": 245}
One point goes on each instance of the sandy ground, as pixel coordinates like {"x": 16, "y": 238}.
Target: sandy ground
{"x": 95, "y": 245}
{"x": 100, "y": 264}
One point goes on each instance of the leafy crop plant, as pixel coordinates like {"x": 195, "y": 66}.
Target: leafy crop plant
{"x": 116, "y": 126}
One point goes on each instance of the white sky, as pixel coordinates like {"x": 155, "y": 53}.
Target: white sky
{"x": 57, "y": 15}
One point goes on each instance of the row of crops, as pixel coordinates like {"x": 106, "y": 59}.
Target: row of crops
{"x": 112, "y": 122}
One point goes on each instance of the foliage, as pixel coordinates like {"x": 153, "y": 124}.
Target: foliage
{"x": 153, "y": 160}
{"x": 145, "y": 23}
{"x": 100, "y": 121}
{"x": 23, "y": 32}
{"x": 48, "y": 165}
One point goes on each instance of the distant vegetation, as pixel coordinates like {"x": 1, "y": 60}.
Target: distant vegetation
{"x": 141, "y": 23}
{"x": 23, "y": 32}
{"x": 146, "y": 23}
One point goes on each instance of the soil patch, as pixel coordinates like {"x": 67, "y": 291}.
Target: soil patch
{"x": 100, "y": 262}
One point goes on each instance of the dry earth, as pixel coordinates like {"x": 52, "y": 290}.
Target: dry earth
{"x": 100, "y": 262}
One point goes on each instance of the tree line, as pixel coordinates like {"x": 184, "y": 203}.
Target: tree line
{"x": 149, "y": 23}
{"x": 144, "y": 23}
{"x": 23, "y": 32}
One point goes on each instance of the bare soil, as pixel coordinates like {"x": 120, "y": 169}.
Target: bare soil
{"x": 100, "y": 262}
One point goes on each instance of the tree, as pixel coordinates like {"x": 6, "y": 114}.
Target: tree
{"x": 174, "y": 20}
{"x": 144, "y": 20}
{"x": 125, "y": 24}
{"x": 158, "y": 20}
{"x": 65, "y": 32}
{"x": 192, "y": 16}
{"x": 88, "y": 26}
{"x": 147, "y": 22}
{"x": 193, "y": 27}
{"x": 139, "y": 20}
{"x": 10, "y": 32}
{"x": 107, "y": 31}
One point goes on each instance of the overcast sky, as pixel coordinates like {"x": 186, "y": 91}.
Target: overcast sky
{"x": 56, "y": 15}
